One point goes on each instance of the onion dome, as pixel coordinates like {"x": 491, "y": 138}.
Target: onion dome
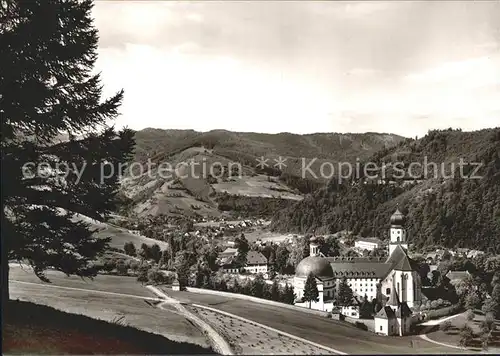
{"x": 397, "y": 218}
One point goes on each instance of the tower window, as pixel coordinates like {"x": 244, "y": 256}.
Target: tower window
{"x": 388, "y": 291}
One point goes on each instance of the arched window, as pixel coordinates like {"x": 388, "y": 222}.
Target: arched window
{"x": 388, "y": 291}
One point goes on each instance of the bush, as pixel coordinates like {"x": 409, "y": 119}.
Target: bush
{"x": 121, "y": 268}
{"x": 439, "y": 313}
{"x": 470, "y": 315}
{"x": 466, "y": 336}
{"x": 155, "y": 277}
{"x": 488, "y": 324}
{"x": 361, "y": 325}
{"x": 134, "y": 266}
{"x": 445, "y": 326}
{"x": 485, "y": 340}
{"x": 129, "y": 249}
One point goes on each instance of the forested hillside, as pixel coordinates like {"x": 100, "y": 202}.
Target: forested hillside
{"x": 219, "y": 172}
{"x": 459, "y": 211}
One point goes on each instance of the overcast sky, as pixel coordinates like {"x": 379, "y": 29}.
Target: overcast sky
{"x": 397, "y": 66}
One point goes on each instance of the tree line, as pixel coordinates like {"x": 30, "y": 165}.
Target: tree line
{"x": 452, "y": 212}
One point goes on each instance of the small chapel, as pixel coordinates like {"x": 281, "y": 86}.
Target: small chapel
{"x": 394, "y": 281}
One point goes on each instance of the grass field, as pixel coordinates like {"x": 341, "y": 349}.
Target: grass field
{"x": 118, "y": 235}
{"x": 36, "y": 329}
{"x": 251, "y": 339}
{"x": 452, "y": 336}
{"x": 96, "y": 299}
{"x": 257, "y": 186}
{"x": 340, "y": 336}
{"x": 265, "y": 235}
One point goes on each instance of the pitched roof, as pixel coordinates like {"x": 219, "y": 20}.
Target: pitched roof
{"x": 370, "y": 239}
{"x": 404, "y": 265}
{"x": 457, "y": 275}
{"x": 228, "y": 262}
{"x": 256, "y": 258}
{"x": 360, "y": 269}
{"x": 386, "y": 313}
{"x": 393, "y": 298}
{"x": 396, "y": 255}
{"x": 403, "y": 311}
{"x": 363, "y": 267}
{"x": 400, "y": 260}
{"x": 229, "y": 251}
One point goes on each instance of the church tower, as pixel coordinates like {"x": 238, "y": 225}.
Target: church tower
{"x": 397, "y": 232}
{"x": 313, "y": 247}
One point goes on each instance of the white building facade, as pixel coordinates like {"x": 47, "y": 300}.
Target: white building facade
{"x": 370, "y": 278}
{"x": 369, "y": 243}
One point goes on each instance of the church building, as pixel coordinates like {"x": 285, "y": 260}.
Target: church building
{"x": 393, "y": 281}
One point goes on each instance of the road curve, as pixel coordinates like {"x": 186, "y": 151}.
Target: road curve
{"x": 219, "y": 344}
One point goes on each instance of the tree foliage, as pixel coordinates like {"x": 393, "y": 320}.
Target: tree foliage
{"x": 452, "y": 211}
{"x": 48, "y": 90}
{"x": 311, "y": 293}
{"x": 466, "y": 336}
{"x": 129, "y": 249}
{"x": 242, "y": 245}
{"x": 345, "y": 293}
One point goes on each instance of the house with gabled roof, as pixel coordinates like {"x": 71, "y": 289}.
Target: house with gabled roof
{"x": 367, "y": 243}
{"x": 395, "y": 317}
{"x": 456, "y": 277}
{"x": 256, "y": 262}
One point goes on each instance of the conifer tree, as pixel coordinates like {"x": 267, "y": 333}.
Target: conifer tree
{"x": 165, "y": 257}
{"x": 288, "y": 295}
{"x": 345, "y": 294}
{"x": 242, "y": 245}
{"x": 311, "y": 290}
{"x": 48, "y": 90}
{"x": 129, "y": 249}
{"x": 155, "y": 253}
{"x": 275, "y": 291}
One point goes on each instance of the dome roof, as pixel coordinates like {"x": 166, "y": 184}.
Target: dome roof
{"x": 318, "y": 266}
{"x": 313, "y": 239}
{"x": 397, "y": 218}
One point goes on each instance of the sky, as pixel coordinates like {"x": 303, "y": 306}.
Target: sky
{"x": 398, "y": 67}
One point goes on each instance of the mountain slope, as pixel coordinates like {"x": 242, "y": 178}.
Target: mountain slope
{"x": 458, "y": 211}
{"x": 222, "y": 162}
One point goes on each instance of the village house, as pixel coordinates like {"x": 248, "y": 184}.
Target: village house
{"x": 227, "y": 260}
{"x": 456, "y": 277}
{"x": 354, "y": 309}
{"x": 474, "y": 253}
{"x": 256, "y": 262}
{"x": 367, "y": 243}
